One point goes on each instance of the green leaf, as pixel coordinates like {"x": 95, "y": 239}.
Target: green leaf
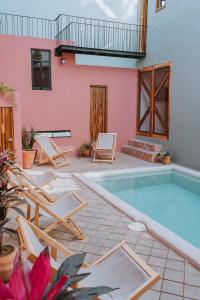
{"x": 75, "y": 279}
{"x": 84, "y": 293}
{"x": 70, "y": 266}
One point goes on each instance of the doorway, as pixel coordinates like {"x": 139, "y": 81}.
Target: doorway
{"x": 98, "y": 111}
{"x": 6, "y": 129}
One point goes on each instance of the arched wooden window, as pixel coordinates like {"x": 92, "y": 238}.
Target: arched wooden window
{"x": 154, "y": 101}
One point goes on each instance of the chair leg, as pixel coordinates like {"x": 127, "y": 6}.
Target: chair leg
{"x": 37, "y": 215}
{"x": 28, "y": 212}
{"x": 70, "y": 225}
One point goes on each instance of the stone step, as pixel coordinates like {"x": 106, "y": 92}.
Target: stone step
{"x": 140, "y": 153}
{"x": 145, "y": 145}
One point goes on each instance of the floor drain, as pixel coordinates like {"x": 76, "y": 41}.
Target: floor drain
{"x": 137, "y": 226}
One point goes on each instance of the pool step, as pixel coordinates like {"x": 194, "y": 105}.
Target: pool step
{"x": 139, "y": 153}
{"x": 145, "y": 145}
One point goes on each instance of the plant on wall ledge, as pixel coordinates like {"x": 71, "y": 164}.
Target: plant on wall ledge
{"x": 7, "y": 91}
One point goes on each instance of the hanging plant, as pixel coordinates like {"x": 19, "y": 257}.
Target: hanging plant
{"x": 6, "y": 91}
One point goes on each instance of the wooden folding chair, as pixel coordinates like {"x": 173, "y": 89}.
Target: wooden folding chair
{"x": 61, "y": 210}
{"x": 52, "y": 152}
{"x": 120, "y": 268}
{"x": 105, "y": 147}
{"x": 29, "y": 239}
{"x": 38, "y": 181}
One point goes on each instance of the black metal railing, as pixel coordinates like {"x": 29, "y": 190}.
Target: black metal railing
{"x": 78, "y": 32}
{"x": 27, "y": 26}
{"x": 99, "y": 34}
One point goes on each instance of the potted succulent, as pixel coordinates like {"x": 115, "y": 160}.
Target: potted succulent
{"x": 164, "y": 157}
{"x": 8, "y": 198}
{"x": 28, "y": 153}
{"x": 37, "y": 284}
{"x": 86, "y": 149}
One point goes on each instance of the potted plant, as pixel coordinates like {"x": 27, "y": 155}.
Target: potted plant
{"x": 6, "y": 91}
{"x": 8, "y": 198}
{"x": 164, "y": 157}
{"x": 86, "y": 149}
{"x": 28, "y": 153}
{"x": 37, "y": 284}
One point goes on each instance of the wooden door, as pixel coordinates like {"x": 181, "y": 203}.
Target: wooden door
{"x": 154, "y": 101}
{"x": 98, "y": 111}
{"x": 6, "y": 129}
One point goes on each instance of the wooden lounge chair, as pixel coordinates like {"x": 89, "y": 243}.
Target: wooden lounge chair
{"x": 18, "y": 179}
{"x": 52, "y": 152}
{"x": 61, "y": 210}
{"x": 22, "y": 178}
{"x": 105, "y": 147}
{"x": 121, "y": 267}
{"x": 38, "y": 181}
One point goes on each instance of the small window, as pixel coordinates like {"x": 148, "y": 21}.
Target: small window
{"x": 41, "y": 69}
{"x": 160, "y": 4}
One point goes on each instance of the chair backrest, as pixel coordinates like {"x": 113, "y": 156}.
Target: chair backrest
{"x": 106, "y": 141}
{"x": 45, "y": 143}
{"x": 118, "y": 270}
{"x": 32, "y": 244}
{"x": 65, "y": 205}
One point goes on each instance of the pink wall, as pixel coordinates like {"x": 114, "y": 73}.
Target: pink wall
{"x": 66, "y": 106}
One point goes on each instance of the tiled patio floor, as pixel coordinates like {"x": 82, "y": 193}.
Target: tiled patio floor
{"x": 104, "y": 226}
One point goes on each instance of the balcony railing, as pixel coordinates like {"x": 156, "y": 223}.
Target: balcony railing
{"x": 27, "y": 26}
{"x": 100, "y": 37}
{"x": 80, "y": 35}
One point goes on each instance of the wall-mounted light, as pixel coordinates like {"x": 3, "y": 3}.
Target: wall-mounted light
{"x": 63, "y": 60}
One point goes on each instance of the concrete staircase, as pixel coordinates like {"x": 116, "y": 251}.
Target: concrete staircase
{"x": 142, "y": 150}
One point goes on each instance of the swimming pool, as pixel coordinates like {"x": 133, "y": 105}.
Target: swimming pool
{"x": 166, "y": 199}
{"x": 170, "y": 198}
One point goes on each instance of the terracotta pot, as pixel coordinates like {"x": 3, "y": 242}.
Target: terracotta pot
{"x": 166, "y": 160}
{"x": 28, "y": 157}
{"x": 86, "y": 153}
{"x": 7, "y": 261}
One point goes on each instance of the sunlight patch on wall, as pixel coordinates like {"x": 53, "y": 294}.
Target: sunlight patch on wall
{"x": 123, "y": 10}
{"x": 101, "y": 3}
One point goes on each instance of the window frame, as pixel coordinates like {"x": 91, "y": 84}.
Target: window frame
{"x": 151, "y": 132}
{"x": 158, "y": 6}
{"x": 49, "y": 88}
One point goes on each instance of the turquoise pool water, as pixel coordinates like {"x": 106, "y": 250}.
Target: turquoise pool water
{"x": 171, "y": 198}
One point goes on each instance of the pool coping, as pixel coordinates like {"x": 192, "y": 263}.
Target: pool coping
{"x": 181, "y": 246}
